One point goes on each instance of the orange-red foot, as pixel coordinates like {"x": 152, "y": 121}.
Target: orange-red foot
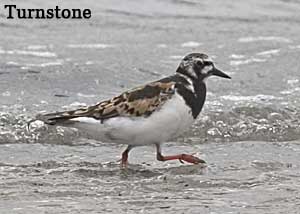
{"x": 181, "y": 158}
{"x": 191, "y": 159}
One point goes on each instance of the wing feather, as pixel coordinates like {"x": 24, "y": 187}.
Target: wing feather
{"x": 138, "y": 102}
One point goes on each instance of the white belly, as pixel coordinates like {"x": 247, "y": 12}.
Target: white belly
{"x": 169, "y": 122}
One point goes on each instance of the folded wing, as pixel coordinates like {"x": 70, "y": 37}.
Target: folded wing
{"x": 138, "y": 102}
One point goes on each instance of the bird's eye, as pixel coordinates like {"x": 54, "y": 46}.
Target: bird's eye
{"x": 199, "y": 63}
{"x": 207, "y": 63}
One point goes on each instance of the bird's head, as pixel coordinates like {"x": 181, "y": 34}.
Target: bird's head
{"x": 198, "y": 66}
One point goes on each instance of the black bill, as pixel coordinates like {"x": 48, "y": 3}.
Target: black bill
{"x": 220, "y": 73}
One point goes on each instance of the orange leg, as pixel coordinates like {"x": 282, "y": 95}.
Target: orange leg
{"x": 124, "y": 160}
{"x": 180, "y": 157}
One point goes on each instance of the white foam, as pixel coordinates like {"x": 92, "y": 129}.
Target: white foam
{"x": 264, "y": 38}
{"x": 37, "y": 124}
{"x": 255, "y": 98}
{"x": 46, "y": 64}
{"x": 214, "y": 103}
{"x": 237, "y": 56}
{"x": 30, "y": 53}
{"x": 12, "y": 63}
{"x": 6, "y": 94}
{"x": 37, "y": 47}
{"x": 290, "y": 91}
{"x": 161, "y": 45}
{"x": 268, "y": 52}
{"x": 292, "y": 82}
{"x": 95, "y": 46}
{"x": 35, "y": 53}
{"x": 175, "y": 57}
{"x": 294, "y": 47}
{"x": 97, "y": 81}
{"x": 246, "y": 61}
{"x": 190, "y": 44}
{"x": 89, "y": 63}
{"x": 86, "y": 95}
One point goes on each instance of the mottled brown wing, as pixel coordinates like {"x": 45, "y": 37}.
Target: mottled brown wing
{"x": 140, "y": 101}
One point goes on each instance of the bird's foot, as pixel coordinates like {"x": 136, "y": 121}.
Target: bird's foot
{"x": 190, "y": 159}
{"x": 181, "y": 158}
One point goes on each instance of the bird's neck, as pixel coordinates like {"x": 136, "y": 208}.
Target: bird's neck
{"x": 193, "y": 92}
{"x": 187, "y": 72}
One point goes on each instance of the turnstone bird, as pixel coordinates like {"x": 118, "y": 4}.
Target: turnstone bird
{"x": 150, "y": 114}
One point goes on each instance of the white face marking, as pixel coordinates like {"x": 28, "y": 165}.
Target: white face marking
{"x": 206, "y": 69}
{"x": 192, "y": 72}
{"x": 188, "y": 65}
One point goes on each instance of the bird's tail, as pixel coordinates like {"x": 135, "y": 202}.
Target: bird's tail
{"x": 54, "y": 118}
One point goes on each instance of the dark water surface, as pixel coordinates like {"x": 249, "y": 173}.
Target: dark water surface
{"x": 248, "y": 132}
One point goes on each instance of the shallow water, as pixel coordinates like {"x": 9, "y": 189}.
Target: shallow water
{"x": 248, "y": 131}
{"x": 245, "y": 177}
